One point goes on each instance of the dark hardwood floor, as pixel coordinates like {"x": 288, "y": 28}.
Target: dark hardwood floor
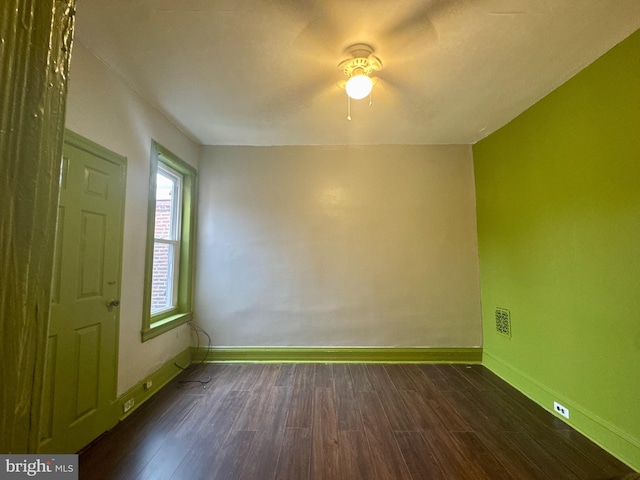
{"x": 339, "y": 421}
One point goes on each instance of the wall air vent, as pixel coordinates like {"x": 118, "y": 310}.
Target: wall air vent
{"x": 503, "y": 322}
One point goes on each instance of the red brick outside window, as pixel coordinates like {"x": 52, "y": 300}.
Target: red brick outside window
{"x": 166, "y": 245}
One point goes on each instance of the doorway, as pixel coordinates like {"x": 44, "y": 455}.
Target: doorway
{"x": 81, "y": 370}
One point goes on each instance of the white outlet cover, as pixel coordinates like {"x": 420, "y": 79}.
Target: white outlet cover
{"x": 128, "y": 405}
{"x": 564, "y": 411}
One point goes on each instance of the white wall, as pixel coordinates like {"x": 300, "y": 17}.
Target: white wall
{"x": 103, "y": 109}
{"x": 338, "y": 246}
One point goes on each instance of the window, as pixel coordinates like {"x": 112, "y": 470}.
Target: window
{"x": 166, "y": 241}
{"x": 170, "y": 237}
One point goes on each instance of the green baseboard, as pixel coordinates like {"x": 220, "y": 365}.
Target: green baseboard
{"x": 139, "y": 393}
{"x": 618, "y": 443}
{"x": 336, "y": 355}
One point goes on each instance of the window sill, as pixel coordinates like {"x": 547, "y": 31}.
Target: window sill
{"x": 166, "y": 324}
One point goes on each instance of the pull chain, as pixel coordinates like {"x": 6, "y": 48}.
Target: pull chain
{"x": 349, "y": 104}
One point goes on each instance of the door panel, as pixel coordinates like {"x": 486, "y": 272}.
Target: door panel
{"x": 80, "y": 384}
{"x": 91, "y": 261}
{"x": 88, "y": 370}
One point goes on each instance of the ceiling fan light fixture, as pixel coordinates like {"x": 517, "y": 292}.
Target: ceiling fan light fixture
{"x": 359, "y": 86}
{"x": 358, "y": 70}
{"x": 359, "y": 67}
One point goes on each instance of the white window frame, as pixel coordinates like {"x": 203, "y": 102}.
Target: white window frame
{"x": 175, "y": 236}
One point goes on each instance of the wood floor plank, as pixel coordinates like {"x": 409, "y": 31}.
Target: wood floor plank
{"x": 398, "y": 377}
{"x": 248, "y": 376}
{"x": 521, "y": 402}
{"x": 277, "y": 414}
{"x": 300, "y": 408}
{"x": 136, "y": 439}
{"x": 452, "y": 457}
{"x": 468, "y": 411}
{"x": 497, "y": 419}
{"x": 295, "y": 455}
{"x": 452, "y": 375}
{"x": 268, "y": 377}
{"x": 231, "y": 456}
{"x": 419, "y": 457}
{"x": 385, "y": 453}
{"x": 342, "y": 381}
{"x": 255, "y": 411}
{"x": 223, "y": 380}
{"x": 392, "y": 402}
{"x": 496, "y": 405}
{"x": 421, "y": 382}
{"x": 610, "y": 465}
{"x": 348, "y": 412}
{"x": 448, "y": 415}
{"x": 360, "y": 378}
{"x": 304, "y": 376}
{"x": 132, "y": 463}
{"x": 198, "y": 461}
{"x": 191, "y": 421}
{"x": 220, "y": 421}
{"x": 575, "y": 460}
{"x": 520, "y": 466}
{"x": 421, "y": 411}
{"x": 505, "y": 415}
{"x": 226, "y": 375}
{"x": 286, "y": 375}
{"x": 548, "y": 463}
{"x": 437, "y": 378}
{"x": 166, "y": 460}
{"x": 262, "y": 459}
{"x": 323, "y": 375}
{"x": 488, "y": 376}
{"x": 477, "y": 381}
{"x": 355, "y": 456}
{"x": 197, "y": 379}
{"x": 483, "y": 457}
{"x": 325, "y": 458}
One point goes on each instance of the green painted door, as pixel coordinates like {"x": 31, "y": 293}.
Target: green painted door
{"x": 81, "y": 370}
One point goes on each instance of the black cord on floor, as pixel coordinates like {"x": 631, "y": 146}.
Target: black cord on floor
{"x": 197, "y": 329}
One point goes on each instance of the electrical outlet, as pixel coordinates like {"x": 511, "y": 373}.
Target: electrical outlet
{"x": 564, "y": 411}
{"x": 128, "y": 405}
{"x": 148, "y": 384}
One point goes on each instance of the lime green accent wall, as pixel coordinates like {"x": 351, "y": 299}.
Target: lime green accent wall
{"x": 558, "y": 204}
{"x": 337, "y": 355}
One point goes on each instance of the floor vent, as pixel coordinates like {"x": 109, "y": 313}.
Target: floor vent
{"x": 503, "y": 322}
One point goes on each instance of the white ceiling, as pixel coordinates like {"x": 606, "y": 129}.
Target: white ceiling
{"x": 264, "y": 72}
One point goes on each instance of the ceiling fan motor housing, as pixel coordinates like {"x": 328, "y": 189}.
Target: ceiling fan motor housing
{"x": 363, "y": 61}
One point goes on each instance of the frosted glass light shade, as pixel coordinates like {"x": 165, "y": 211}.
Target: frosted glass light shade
{"x": 359, "y": 86}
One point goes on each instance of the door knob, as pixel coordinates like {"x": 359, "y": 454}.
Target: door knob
{"x": 113, "y": 303}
